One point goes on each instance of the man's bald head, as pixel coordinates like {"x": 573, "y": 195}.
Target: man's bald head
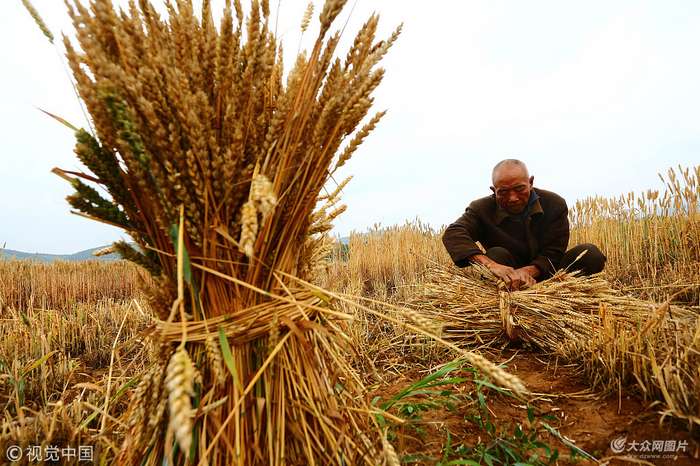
{"x": 512, "y": 166}
{"x": 512, "y": 185}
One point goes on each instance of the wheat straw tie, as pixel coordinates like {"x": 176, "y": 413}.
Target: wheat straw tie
{"x": 506, "y": 309}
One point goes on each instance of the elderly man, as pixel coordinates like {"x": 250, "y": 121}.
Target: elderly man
{"x": 525, "y": 231}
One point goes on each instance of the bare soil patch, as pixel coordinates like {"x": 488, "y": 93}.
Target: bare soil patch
{"x": 591, "y": 420}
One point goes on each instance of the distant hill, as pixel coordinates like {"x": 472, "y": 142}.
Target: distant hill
{"x": 9, "y": 254}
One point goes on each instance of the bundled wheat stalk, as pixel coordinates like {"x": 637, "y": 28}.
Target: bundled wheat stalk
{"x": 214, "y": 166}
{"x": 617, "y": 339}
{"x": 659, "y": 358}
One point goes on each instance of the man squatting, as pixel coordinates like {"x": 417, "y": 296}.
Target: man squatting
{"x": 525, "y": 231}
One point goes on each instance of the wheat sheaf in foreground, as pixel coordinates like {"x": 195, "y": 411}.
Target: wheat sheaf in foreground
{"x": 214, "y": 166}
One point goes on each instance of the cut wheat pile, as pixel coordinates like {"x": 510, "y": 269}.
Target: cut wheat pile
{"x": 620, "y": 341}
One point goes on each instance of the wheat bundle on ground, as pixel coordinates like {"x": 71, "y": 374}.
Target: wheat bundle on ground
{"x": 214, "y": 166}
{"x": 620, "y": 341}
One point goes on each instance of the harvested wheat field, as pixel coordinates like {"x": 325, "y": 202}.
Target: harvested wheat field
{"x": 238, "y": 331}
{"x": 599, "y": 363}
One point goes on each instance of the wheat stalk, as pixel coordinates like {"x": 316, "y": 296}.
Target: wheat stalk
{"x": 179, "y": 381}
{"x": 37, "y": 19}
{"x": 306, "y": 19}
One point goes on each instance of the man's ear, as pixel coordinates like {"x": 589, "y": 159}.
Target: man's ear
{"x": 492, "y": 189}
{"x": 532, "y": 179}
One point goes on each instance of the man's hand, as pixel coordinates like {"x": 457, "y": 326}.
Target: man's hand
{"x": 523, "y": 279}
{"x": 514, "y": 279}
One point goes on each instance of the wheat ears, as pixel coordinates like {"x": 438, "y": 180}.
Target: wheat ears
{"x": 214, "y": 164}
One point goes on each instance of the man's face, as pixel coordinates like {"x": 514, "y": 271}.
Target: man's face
{"x": 512, "y": 187}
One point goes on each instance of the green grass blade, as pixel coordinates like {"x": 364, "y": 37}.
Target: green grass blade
{"x": 38, "y": 362}
{"x": 228, "y": 357}
{"x": 63, "y": 121}
{"x": 567, "y": 442}
{"x": 187, "y": 270}
{"x": 114, "y": 397}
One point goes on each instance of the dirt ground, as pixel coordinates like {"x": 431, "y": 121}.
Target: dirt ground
{"x": 590, "y": 420}
{"x": 594, "y": 421}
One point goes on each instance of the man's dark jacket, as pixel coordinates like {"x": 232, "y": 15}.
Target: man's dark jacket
{"x": 540, "y": 238}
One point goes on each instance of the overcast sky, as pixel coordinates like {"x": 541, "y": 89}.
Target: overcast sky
{"x": 596, "y": 97}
